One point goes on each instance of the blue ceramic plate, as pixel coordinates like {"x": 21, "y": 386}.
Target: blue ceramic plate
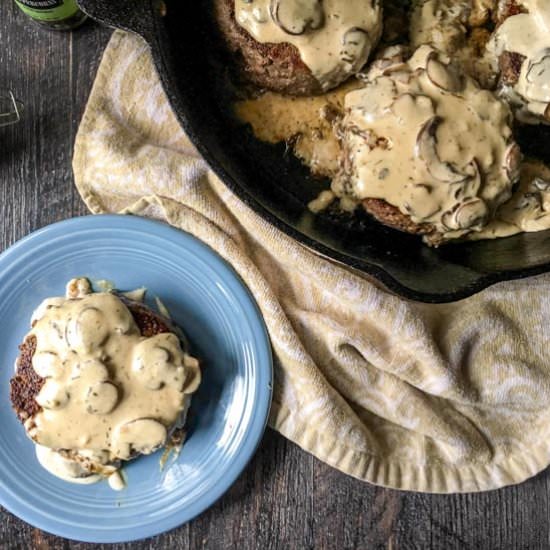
{"x": 228, "y": 414}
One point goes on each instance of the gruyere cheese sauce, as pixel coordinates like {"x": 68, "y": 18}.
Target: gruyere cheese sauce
{"x": 109, "y": 393}
{"x": 429, "y": 141}
{"x": 334, "y": 37}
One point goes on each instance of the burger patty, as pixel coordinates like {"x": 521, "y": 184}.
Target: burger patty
{"x": 277, "y": 67}
{"x": 26, "y": 384}
{"x": 391, "y": 215}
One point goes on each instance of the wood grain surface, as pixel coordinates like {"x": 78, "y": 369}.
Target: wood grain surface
{"x": 285, "y": 498}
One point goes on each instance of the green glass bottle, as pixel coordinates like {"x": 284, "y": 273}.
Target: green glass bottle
{"x": 59, "y": 15}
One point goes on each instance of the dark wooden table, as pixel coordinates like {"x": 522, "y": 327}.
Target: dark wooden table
{"x": 285, "y": 498}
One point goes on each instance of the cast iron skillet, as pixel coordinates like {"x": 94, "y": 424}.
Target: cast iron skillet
{"x": 278, "y": 187}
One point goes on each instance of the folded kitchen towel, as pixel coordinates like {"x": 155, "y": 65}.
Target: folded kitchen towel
{"x": 438, "y": 398}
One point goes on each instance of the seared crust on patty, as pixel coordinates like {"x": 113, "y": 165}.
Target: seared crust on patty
{"x": 26, "y": 384}
{"x": 277, "y": 67}
{"x": 392, "y": 216}
{"x": 148, "y": 322}
{"x": 509, "y": 63}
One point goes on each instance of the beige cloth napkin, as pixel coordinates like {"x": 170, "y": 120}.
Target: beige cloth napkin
{"x": 419, "y": 397}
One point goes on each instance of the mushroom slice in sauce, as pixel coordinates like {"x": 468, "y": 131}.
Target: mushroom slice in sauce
{"x": 92, "y": 369}
{"x": 87, "y": 331}
{"x": 443, "y": 76}
{"x": 512, "y": 161}
{"x": 143, "y": 435}
{"x": 101, "y": 398}
{"x": 52, "y": 396}
{"x": 354, "y": 44}
{"x": 470, "y": 214}
{"x": 426, "y": 148}
{"x": 538, "y": 77}
{"x": 297, "y": 16}
{"x": 47, "y": 364}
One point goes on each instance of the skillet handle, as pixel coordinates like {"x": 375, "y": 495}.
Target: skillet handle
{"x": 137, "y": 16}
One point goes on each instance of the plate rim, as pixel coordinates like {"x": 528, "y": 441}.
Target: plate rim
{"x": 258, "y": 422}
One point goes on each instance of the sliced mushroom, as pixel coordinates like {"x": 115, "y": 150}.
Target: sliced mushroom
{"x": 449, "y": 221}
{"x": 426, "y": 149}
{"x": 47, "y": 364}
{"x": 469, "y": 215}
{"x": 52, "y": 396}
{"x": 512, "y": 162}
{"x": 87, "y": 331}
{"x": 538, "y": 77}
{"x": 193, "y": 374}
{"x": 125, "y": 324}
{"x": 101, "y": 398}
{"x": 472, "y": 214}
{"x": 153, "y": 367}
{"x": 391, "y": 57}
{"x": 541, "y": 185}
{"x": 356, "y": 45}
{"x": 93, "y": 371}
{"x": 529, "y": 201}
{"x": 297, "y": 16}
{"x": 396, "y": 68}
{"x": 143, "y": 435}
{"x": 158, "y": 363}
{"x": 120, "y": 319}
{"x": 443, "y": 76}
{"x": 471, "y": 186}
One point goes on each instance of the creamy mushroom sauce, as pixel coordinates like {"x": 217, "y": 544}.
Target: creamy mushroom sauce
{"x": 334, "y": 37}
{"x": 455, "y": 28}
{"x": 429, "y": 141}
{"x": 527, "y": 34}
{"x": 110, "y": 393}
{"x": 529, "y": 208}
